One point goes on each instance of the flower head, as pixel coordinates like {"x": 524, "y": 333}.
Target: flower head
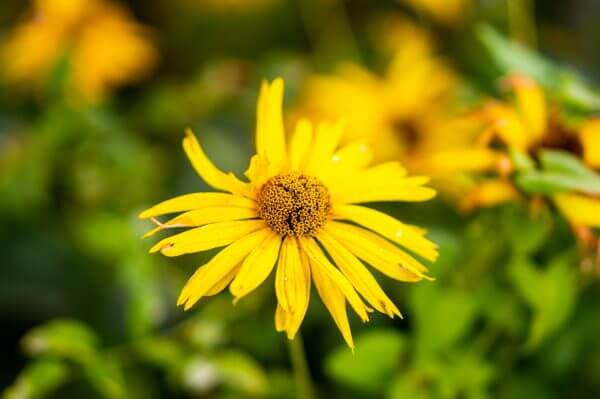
{"x": 394, "y": 112}
{"x": 297, "y": 214}
{"x": 104, "y": 47}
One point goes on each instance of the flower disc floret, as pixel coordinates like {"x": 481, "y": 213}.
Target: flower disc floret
{"x": 294, "y": 204}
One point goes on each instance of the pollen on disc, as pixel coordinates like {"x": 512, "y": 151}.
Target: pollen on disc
{"x": 294, "y": 204}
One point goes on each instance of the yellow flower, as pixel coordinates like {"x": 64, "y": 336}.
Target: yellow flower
{"x": 297, "y": 212}
{"x": 525, "y": 124}
{"x": 394, "y": 112}
{"x": 104, "y": 46}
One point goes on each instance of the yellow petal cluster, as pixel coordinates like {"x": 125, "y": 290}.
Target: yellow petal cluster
{"x": 98, "y": 39}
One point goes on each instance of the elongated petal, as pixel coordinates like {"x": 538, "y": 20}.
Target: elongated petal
{"x": 531, "y": 103}
{"x": 590, "y": 140}
{"x": 300, "y": 145}
{"x": 212, "y": 276}
{"x": 206, "y": 237}
{"x": 354, "y": 156}
{"x": 256, "y": 267}
{"x": 319, "y": 260}
{"x": 187, "y": 202}
{"x": 388, "y": 227}
{"x": 208, "y": 171}
{"x": 200, "y": 217}
{"x": 579, "y": 209}
{"x": 270, "y": 139}
{"x": 292, "y": 287}
{"x": 509, "y": 125}
{"x": 258, "y": 172}
{"x": 379, "y": 253}
{"x": 358, "y": 275}
{"x": 385, "y": 182}
{"x": 462, "y": 160}
{"x": 334, "y": 301}
{"x": 324, "y": 144}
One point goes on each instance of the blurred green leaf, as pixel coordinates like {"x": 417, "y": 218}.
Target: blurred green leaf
{"x": 435, "y": 305}
{"x": 522, "y": 161}
{"x": 551, "y": 294}
{"x": 403, "y": 386}
{"x": 66, "y": 338}
{"x": 370, "y": 367}
{"x": 105, "y": 374}
{"x": 38, "y": 379}
{"x": 587, "y": 180}
{"x": 240, "y": 373}
{"x": 509, "y": 56}
{"x": 526, "y": 232}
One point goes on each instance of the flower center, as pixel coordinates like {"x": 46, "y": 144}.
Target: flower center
{"x": 294, "y": 204}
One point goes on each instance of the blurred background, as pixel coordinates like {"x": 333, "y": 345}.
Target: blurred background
{"x": 94, "y": 98}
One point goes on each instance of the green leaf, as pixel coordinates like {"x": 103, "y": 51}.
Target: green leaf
{"x": 370, "y": 367}
{"x": 106, "y": 376}
{"x": 509, "y": 56}
{"x": 38, "y": 379}
{"x": 63, "y": 337}
{"x": 561, "y": 172}
{"x": 586, "y": 180}
{"x": 522, "y": 161}
{"x": 435, "y": 305}
{"x": 240, "y": 373}
{"x": 550, "y": 293}
{"x": 525, "y": 232}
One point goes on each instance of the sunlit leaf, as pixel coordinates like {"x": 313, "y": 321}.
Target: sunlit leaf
{"x": 377, "y": 355}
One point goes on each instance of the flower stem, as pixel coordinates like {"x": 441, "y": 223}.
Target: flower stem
{"x": 304, "y": 385}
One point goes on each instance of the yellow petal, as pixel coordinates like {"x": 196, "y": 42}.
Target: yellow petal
{"x": 489, "y": 193}
{"x": 379, "y": 253}
{"x": 385, "y": 182}
{"x": 509, "y": 125}
{"x": 324, "y": 144}
{"x": 300, "y": 145}
{"x": 270, "y": 140}
{"x": 462, "y": 160}
{"x": 334, "y": 301}
{"x": 281, "y": 318}
{"x": 531, "y": 103}
{"x": 292, "y": 287}
{"x": 187, "y": 202}
{"x": 354, "y": 156}
{"x": 358, "y": 275}
{"x": 206, "y": 237}
{"x": 590, "y": 140}
{"x": 258, "y": 172}
{"x": 256, "y": 267}
{"x": 208, "y": 171}
{"x": 199, "y": 217}
{"x": 579, "y": 209}
{"x": 319, "y": 260}
{"x": 388, "y": 227}
{"x": 212, "y": 275}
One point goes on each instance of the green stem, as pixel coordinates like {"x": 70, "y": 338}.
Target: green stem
{"x": 304, "y": 385}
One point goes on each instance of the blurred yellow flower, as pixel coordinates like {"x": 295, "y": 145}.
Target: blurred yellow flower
{"x": 104, "y": 46}
{"x": 528, "y": 125}
{"x": 448, "y": 12}
{"x": 395, "y": 112}
{"x": 297, "y": 212}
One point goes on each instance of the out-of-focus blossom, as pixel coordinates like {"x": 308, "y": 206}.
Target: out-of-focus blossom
{"x": 103, "y": 45}
{"x": 528, "y": 125}
{"x": 449, "y": 12}
{"x": 395, "y": 112}
{"x": 292, "y": 216}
